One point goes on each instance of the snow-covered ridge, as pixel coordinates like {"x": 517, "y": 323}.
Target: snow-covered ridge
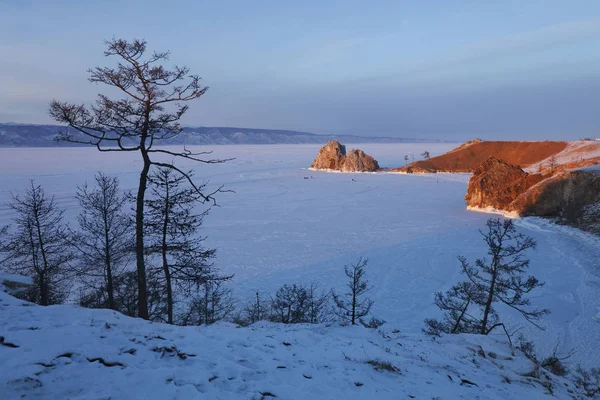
{"x": 30, "y": 135}
{"x": 61, "y": 352}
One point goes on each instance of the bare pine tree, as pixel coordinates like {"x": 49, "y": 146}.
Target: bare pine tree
{"x": 455, "y": 303}
{"x": 259, "y": 309}
{"x": 213, "y": 302}
{"x": 319, "y": 305}
{"x": 290, "y": 305}
{"x": 173, "y": 230}
{"x": 352, "y": 305}
{"x": 153, "y": 102}
{"x": 104, "y": 241}
{"x": 502, "y": 278}
{"x": 38, "y": 246}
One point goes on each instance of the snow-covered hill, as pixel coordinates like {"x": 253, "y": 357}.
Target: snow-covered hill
{"x": 66, "y": 352}
{"x": 29, "y": 135}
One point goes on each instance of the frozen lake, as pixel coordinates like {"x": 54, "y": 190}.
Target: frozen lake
{"x": 278, "y": 227}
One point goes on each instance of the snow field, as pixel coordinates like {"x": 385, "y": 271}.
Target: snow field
{"x": 65, "y": 352}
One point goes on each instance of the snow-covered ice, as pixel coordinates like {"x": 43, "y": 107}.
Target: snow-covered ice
{"x": 278, "y": 227}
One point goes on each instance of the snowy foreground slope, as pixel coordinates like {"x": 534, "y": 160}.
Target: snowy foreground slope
{"x": 65, "y": 352}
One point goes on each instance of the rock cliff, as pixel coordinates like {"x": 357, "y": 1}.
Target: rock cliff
{"x": 333, "y": 156}
{"x": 572, "y": 196}
{"x": 497, "y": 184}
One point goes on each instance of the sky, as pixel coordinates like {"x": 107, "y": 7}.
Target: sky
{"x": 424, "y": 69}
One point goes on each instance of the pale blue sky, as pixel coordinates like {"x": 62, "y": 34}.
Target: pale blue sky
{"x": 435, "y": 69}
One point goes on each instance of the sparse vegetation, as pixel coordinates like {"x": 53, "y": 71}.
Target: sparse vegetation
{"x": 38, "y": 246}
{"x": 469, "y": 306}
{"x": 353, "y": 305}
{"x": 103, "y": 243}
{"x": 380, "y": 365}
{"x": 295, "y": 304}
{"x": 588, "y": 381}
{"x": 137, "y": 123}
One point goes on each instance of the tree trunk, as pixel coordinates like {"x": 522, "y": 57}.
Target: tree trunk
{"x": 107, "y": 260}
{"x": 354, "y": 289}
{"x": 34, "y": 260}
{"x": 164, "y": 256}
{"x": 488, "y": 304}
{"x": 139, "y": 237}
{"x": 44, "y": 295}
{"x": 459, "y": 319}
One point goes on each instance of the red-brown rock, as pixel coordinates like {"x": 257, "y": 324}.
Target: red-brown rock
{"x": 357, "y": 160}
{"x": 332, "y": 156}
{"x": 498, "y": 184}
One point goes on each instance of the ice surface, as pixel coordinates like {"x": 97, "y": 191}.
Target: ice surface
{"x": 281, "y": 228}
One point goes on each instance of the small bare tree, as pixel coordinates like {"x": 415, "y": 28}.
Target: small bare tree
{"x": 587, "y": 381}
{"x": 469, "y": 306}
{"x": 425, "y": 155}
{"x": 290, "y": 305}
{"x": 501, "y": 278}
{"x": 455, "y": 304}
{"x": 406, "y": 159}
{"x": 154, "y": 102}
{"x": 352, "y": 305}
{"x": 104, "y": 241}
{"x": 173, "y": 232}
{"x": 257, "y": 310}
{"x": 213, "y": 302}
{"x": 552, "y": 163}
{"x": 319, "y": 305}
{"x": 38, "y": 247}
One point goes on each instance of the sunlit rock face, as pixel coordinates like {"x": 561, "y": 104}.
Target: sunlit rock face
{"x": 357, "y": 160}
{"x": 333, "y": 156}
{"x": 571, "y": 195}
{"x": 497, "y": 184}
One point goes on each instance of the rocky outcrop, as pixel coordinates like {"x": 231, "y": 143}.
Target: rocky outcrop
{"x": 333, "y": 156}
{"x": 357, "y": 160}
{"x": 572, "y": 196}
{"x": 498, "y": 184}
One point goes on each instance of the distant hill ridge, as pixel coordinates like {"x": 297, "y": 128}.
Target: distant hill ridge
{"x": 30, "y": 135}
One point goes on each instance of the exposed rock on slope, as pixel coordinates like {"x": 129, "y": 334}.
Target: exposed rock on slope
{"x": 333, "y": 156}
{"x": 567, "y": 195}
{"x": 357, "y": 160}
{"x": 573, "y": 196}
{"x": 497, "y": 184}
{"x": 468, "y": 156}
